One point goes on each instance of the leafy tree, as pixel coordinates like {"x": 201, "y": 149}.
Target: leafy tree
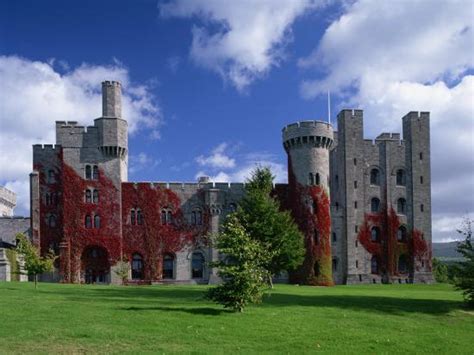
{"x": 464, "y": 279}
{"x": 35, "y": 264}
{"x": 242, "y": 270}
{"x": 263, "y": 220}
{"x": 121, "y": 270}
{"x": 440, "y": 271}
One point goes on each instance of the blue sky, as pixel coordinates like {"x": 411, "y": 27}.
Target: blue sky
{"x": 208, "y": 85}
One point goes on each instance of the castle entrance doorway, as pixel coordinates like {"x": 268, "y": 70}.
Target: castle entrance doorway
{"x": 95, "y": 265}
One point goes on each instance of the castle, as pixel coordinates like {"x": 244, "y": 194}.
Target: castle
{"x": 364, "y": 206}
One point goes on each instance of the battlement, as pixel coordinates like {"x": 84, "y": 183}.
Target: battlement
{"x": 47, "y": 147}
{"x": 111, "y": 99}
{"x": 419, "y": 115}
{"x": 308, "y": 133}
{"x": 353, "y": 113}
{"x": 111, "y": 83}
{"x": 66, "y": 124}
{"x": 388, "y": 136}
{"x": 186, "y": 185}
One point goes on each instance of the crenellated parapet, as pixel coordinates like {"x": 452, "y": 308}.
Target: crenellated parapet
{"x": 308, "y": 133}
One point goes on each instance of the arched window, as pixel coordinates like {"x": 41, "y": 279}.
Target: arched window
{"x": 88, "y": 221}
{"x": 95, "y": 195}
{"x": 163, "y": 216}
{"x": 88, "y": 196}
{"x": 402, "y": 234}
{"x": 88, "y": 172}
{"x": 375, "y": 234}
{"x": 374, "y": 265}
{"x": 133, "y": 217}
{"x": 95, "y": 173}
{"x": 375, "y": 177}
{"x": 318, "y": 180}
{"x": 402, "y": 264}
{"x": 401, "y": 178}
{"x": 334, "y": 265}
{"x": 374, "y": 204}
{"x": 52, "y": 221}
{"x": 196, "y": 217}
{"x": 96, "y": 221}
{"x": 166, "y": 216}
{"x": 168, "y": 266}
{"x": 137, "y": 267}
{"x": 51, "y": 176}
{"x": 402, "y": 206}
{"x": 197, "y": 265}
{"x": 139, "y": 217}
{"x": 311, "y": 179}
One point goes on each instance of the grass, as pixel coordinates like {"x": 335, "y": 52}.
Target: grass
{"x": 162, "y": 319}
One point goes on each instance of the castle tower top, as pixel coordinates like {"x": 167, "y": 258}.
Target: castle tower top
{"x": 308, "y": 133}
{"x": 111, "y": 99}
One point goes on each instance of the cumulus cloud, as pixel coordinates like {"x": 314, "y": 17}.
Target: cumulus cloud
{"x": 142, "y": 161}
{"x": 390, "y": 58}
{"x": 217, "y": 159}
{"x": 240, "y": 40}
{"x": 35, "y": 94}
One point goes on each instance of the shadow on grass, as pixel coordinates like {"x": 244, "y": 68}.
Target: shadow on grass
{"x": 208, "y": 311}
{"x": 391, "y": 305}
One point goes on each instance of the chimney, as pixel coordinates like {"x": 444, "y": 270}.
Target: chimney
{"x": 111, "y": 99}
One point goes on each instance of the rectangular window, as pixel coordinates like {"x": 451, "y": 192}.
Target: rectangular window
{"x": 355, "y": 204}
{"x": 355, "y": 161}
{"x": 357, "y": 263}
{"x": 421, "y": 156}
{"x": 421, "y": 179}
{"x": 355, "y": 184}
{"x": 356, "y": 228}
{"x": 422, "y": 207}
{"x": 356, "y": 243}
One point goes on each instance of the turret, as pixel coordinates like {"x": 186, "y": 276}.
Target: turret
{"x": 307, "y": 144}
{"x": 111, "y": 99}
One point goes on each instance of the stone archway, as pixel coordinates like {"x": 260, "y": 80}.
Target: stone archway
{"x": 95, "y": 266}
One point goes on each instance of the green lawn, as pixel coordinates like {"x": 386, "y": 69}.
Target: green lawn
{"x": 372, "y": 319}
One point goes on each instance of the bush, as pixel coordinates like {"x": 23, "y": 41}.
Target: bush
{"x": 440, "y": 271}
{"x": 465, "y": 270}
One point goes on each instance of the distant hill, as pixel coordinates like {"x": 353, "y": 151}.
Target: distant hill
{"x": 446, "y": 251}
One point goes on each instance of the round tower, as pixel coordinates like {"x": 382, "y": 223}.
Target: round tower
{"x": 307, "y": 144}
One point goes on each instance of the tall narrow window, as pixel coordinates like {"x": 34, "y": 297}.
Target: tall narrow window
{"x": 401, "y": 178}
{"x": 88, "y": 196}
{"x": 163, "y": 216}
{"x": 315, "y": 207}
{"x": 96, "y": 221}
{"x": 95, "y": 173}
{"x": 197, "y": 265}
{"x": 421, "y": 156}
{"x": 88, "y": 222}
{"x": 421, "y": 179}
{"x": 88, "y": 172}
{"x": 52, "y": 221}
{"x": 334, "y": 237}
{"x": 139, "y": 217}
{"x": 402, "y": 264}
{"x": 168, "y": 266}
{"x": 402, "y": 234}
{"x": 357, "y": 263}
{"x": 95, "y": 195}
{"x": 355, "y": 204}
{"x": 375, "y": 234}
{"x": 355, "y": 161}
{"x": 337, "y": 182}
{"x": 355, "y": 184}
{"x": 311, "y": 179}
{"x": 137, "y": 267}
{"x": 401, "y": 206}
{"x": 334, "y": 264}
{"x": 375, "y": 177}
{"x": 133, "y": 217}
{"x": 51, "y": 176}
{"x": 169, "y": 217}
{"x": 374, "y": 265}
{"x": 422, "y": 208}
{"x": 374, "y": 204}
{"x": 318, "y": 179}
{"x": 316, "y": 237}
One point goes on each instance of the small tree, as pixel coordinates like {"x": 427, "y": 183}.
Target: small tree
{"x": 242, "y": 270}
{"x": 263, "y": 220}
{"x": 35, "y": 264}
{"x": 440, "y": 271}
{"x": 121, "y": 270}
{"x": 464, "y": 279}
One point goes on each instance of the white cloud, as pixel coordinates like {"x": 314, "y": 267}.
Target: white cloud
{"x": 392, "y": 57}
{"x": 217, "y": 159}
{"x": 34, "y": 95}
{"x": 240, "y": 40}
{"x": 142, "y": 161}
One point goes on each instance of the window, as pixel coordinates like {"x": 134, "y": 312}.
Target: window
{"x": 355, "y": 161}
{"x": 375, "y": 234}
{"x": 356, "y": 243}
{"x": 88, "y": 196}
{"x": 355, "y": 204}
{"x": 137, "y": 267}
{"x": 357, "y": 263}
{"x": 374, "y": 265}
{"x": 421, "y": 156}
{"x": 337, "y": 182}
{"x": 402, "y": 234}
{"x": 401, "y": 177}
{"x": 133, "y": 217}
{"x": 317, "y": 179}
{"x": 315, "y": 206}
{"x": 356, "y": 228}
{"x": 95, "y": 195}
{"x": 163, "y": 216}
{"x": 334, "y": 237}
{"x": 337, "y": 206}
{"x": 197, "y": 265}
{"x": 139, "y": 217}
{"x": 375, "y": 177}
{"x": 401, "y": 206}
{"x": 96, "y": 221}
{"x": 88, "y": 172}
{"x": 196, "y": 217}
{"x": 316, "y": 269}
{"x": 374, "y": 204}
{"x": 95, "y": 173}
{"x": 316, "y": 237}
{"x": 88, "y": 221}
{"x": 48, "y": 199}
{"x": 422, "y": 208}
{"x": 51, "y": 177}
{"x": 334, "y": 265}
{"x": 52, "y": 221}
{"x": 355, "y": 184}
{"x": 311, "y": 179}
{"x": 232, "y": 207}
{"x": 402, "y": 264}
{"x": 166, "y": 217}
{"x": 421, "y": 179}
{"x": 168, "y": 266}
